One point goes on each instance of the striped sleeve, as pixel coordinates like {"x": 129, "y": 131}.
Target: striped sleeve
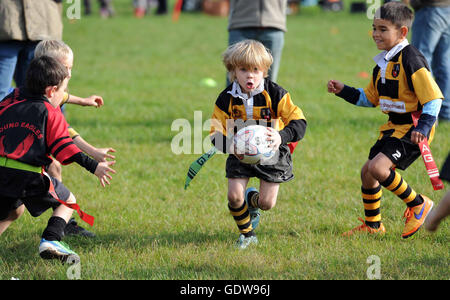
{"x": 59, "y": 143}
{"x": 219, "y": 119}
{"x": 293, "y": 117}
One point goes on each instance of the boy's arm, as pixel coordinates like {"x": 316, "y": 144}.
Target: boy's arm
{"x": 99, "y": 154}
{"x": 293, "y": 117}
{"x": 218, "y": 132}
{"x": 427, "y": 119}
{"x": 367, "y": 97}
{"x": 93, "y": 100}
{"x": 62, "y": 147}
{"x": 101, "y": 170}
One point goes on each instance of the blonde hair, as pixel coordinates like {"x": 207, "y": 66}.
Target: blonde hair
{"x": 54, "y": 48}
{"x": 248, "y": 54}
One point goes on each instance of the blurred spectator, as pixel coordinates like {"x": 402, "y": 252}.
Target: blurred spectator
{"x": 22, "y": 25}
{"x": 261, "y": 20}
{"x": 431, "y": 35}
{"x": 106, "y": 9}
{"x": 141, "y": 7}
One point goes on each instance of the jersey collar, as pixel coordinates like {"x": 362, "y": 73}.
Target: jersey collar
{"x": 386, "y": 56}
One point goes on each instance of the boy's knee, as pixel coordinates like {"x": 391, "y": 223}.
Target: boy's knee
{"x": 235, "y": 199}
{"x": 266, "y": 203}
{"x": 377, "y": 171}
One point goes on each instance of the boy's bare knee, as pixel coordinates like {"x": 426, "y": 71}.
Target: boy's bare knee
{"x": 266, "y": 203}
{"x": 235, "y": 199}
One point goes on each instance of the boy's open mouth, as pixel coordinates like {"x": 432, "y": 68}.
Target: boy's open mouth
{"x": 250, "y": 85}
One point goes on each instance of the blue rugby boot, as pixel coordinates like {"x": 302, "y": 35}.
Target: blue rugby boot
{"x": 254, "y": 211}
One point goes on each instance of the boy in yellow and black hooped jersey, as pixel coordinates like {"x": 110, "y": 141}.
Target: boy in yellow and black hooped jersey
{"x": 253, "y": 98}
{"x": 401, "y": 84}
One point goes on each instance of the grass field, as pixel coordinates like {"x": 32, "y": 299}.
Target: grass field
{"x": 148, "y": 227}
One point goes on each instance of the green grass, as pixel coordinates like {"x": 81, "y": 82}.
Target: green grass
{"x": 148, "y": 227}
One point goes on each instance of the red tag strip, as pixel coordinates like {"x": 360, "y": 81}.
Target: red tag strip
{"x": 292, "y": 146}
{"x": 430, "y": 165}
{"x": 84, "y": 216}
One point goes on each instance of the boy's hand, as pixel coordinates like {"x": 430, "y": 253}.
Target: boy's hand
{"x": 101, "y": 154}
{"x": 102, "y": 172}
{"x": 94, "y": 100}
{"x": 417, "y": 137}
{"x": 335, "y": 86}
{"x": 274, "y": 138}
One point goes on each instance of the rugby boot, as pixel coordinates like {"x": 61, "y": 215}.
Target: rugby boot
{"x": 363, "y": 228}
{"x": 415, "y": 216}
{"x": 57, "y": 250}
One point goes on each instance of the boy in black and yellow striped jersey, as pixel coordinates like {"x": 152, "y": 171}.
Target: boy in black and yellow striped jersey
{"x": 401, "y": 84}
{"x": 253, "y": 98}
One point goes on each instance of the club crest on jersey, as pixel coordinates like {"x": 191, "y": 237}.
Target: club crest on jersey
{"x": 237, "y": 113}
{"x": 395, "y": 70}
{"x": 265, "y": 114}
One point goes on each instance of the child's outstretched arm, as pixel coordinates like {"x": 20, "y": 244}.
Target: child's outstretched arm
{"x": 335, "y": 86}
{"x": 93, "y": 100}
{"x": 99, "y": 154}
{"x": 102, "y": 172}
{"x": 349, "y": 94}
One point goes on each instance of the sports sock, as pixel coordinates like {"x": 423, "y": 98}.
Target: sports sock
{"x": 241, "y": 216}
{"x": 372, "y": 201}
{"x": 400, "y": 187}
{"x": 55, "y": 229}
{"x": 253, "y": 198}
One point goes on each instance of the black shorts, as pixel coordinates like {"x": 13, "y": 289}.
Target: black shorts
{"x": 278, "y": 170}
{"x": 445, "y": 172}
{"x": 402, "y": 152}
{"x": 36, "y": 205}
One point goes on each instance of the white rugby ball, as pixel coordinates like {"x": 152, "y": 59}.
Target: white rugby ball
{"x": 252, "y": 146}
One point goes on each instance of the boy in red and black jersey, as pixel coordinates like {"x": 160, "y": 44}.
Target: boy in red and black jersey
{"x": 32, "y": 128}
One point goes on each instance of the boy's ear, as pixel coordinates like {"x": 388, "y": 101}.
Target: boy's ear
{"x": 50, "y": 90}
{"x": 404, "y": 31}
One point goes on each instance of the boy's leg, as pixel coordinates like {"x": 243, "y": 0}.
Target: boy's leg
{"x": 438, "y": 214}
{"x": 58, "y": 221}
{"x": 51, "y": 246}
{"x": 443, "y": 209}
{"x": 371, "y": 195}
{"x": 237, "y": 206}
{"x": 268, "y": 193}
{"x": 239, "y": 210}
{"x": 12, "y": 216}
{"x": 418, "y": 206}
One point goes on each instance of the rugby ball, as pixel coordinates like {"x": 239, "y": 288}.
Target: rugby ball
{"x": 252, "y": 146}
